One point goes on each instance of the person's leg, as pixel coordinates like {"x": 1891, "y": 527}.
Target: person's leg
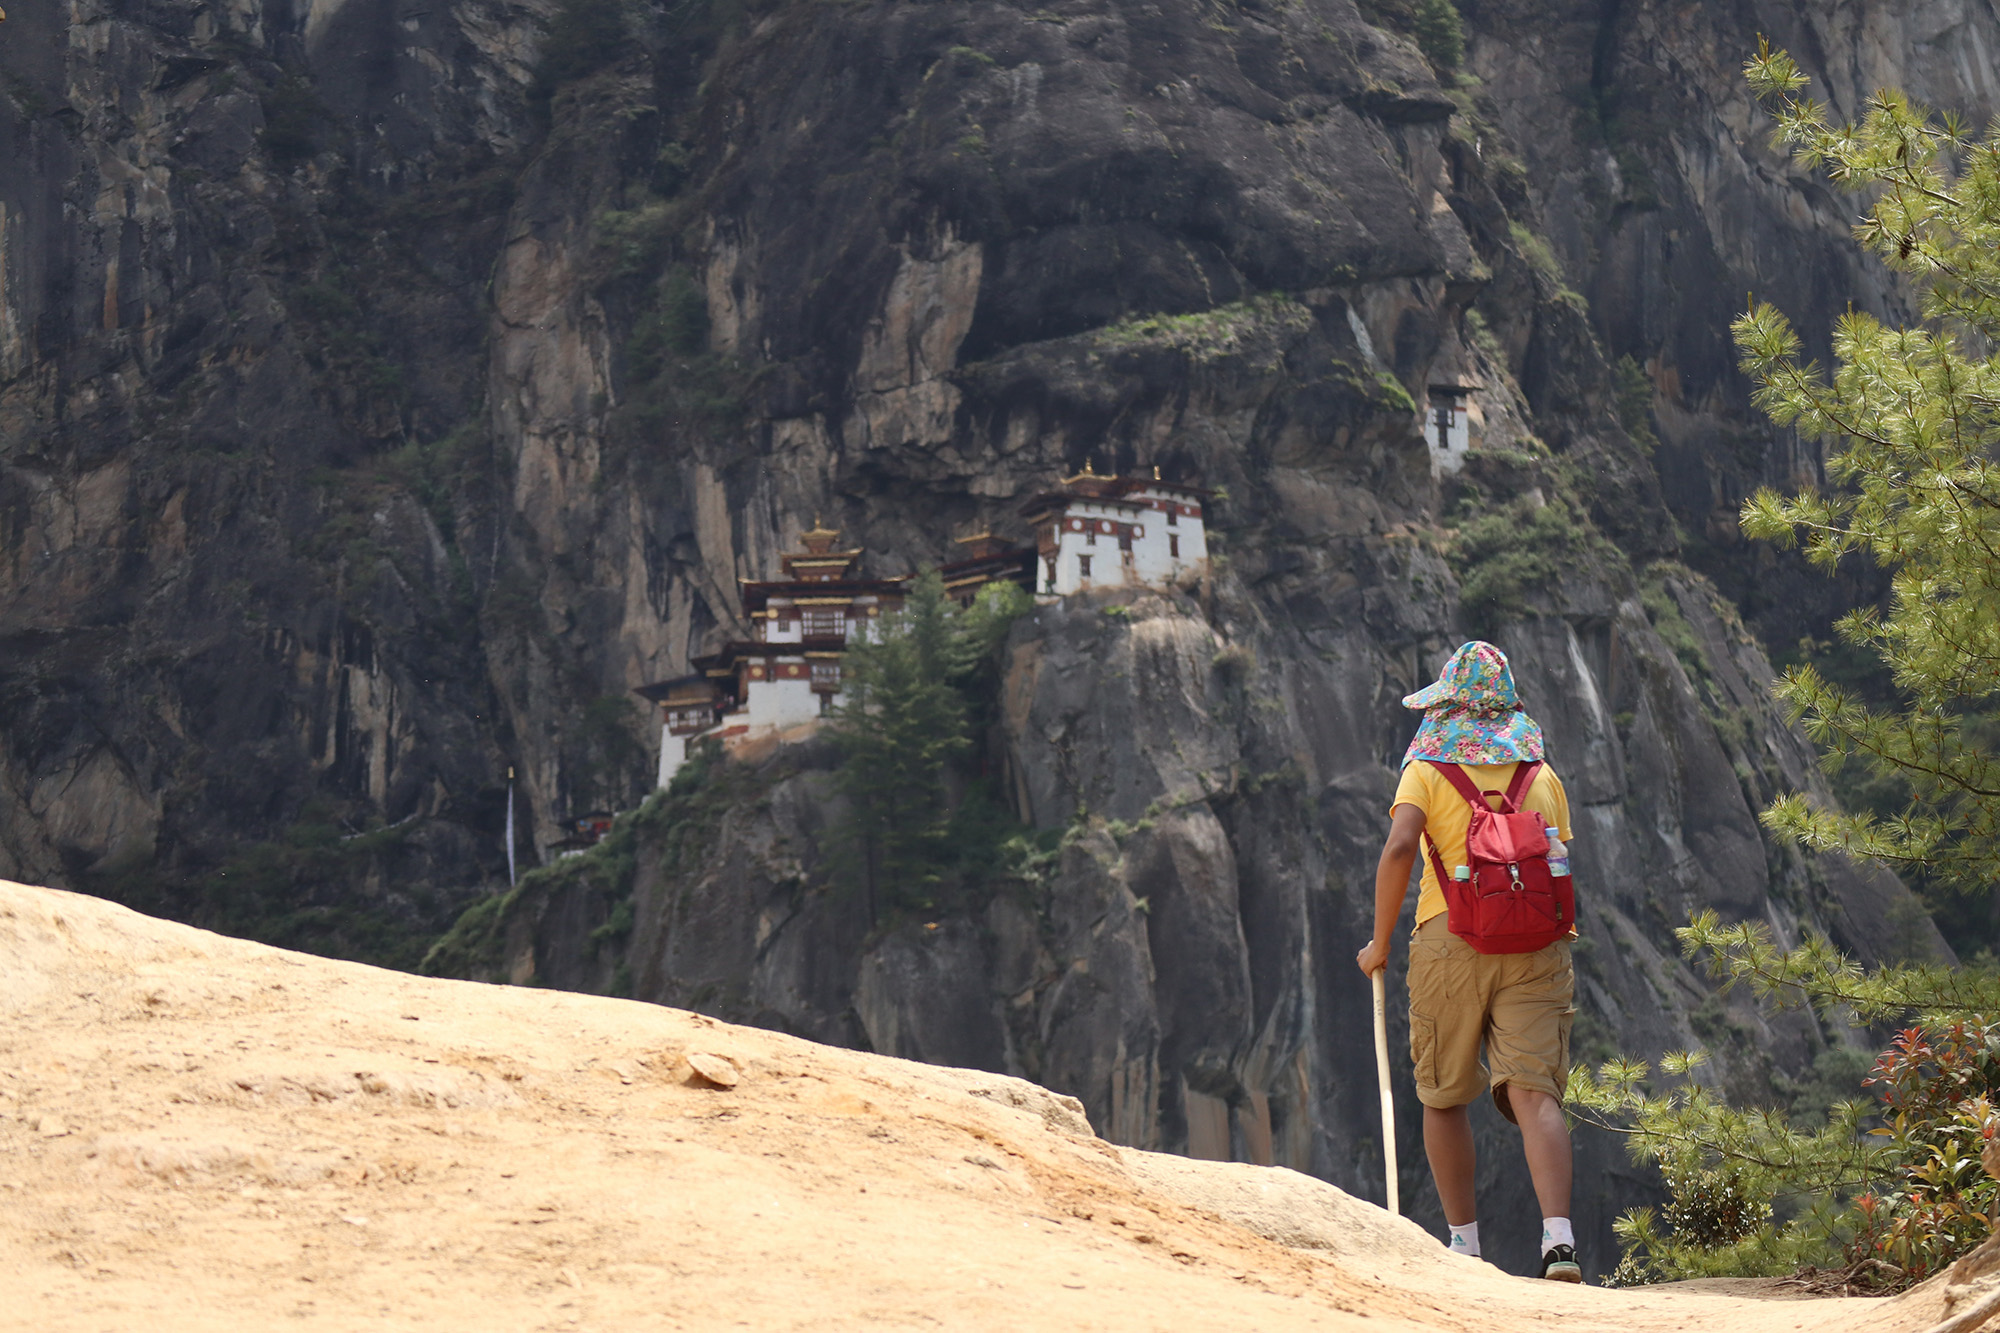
{"x": 1448, "y": 1144}
{"x": 1545, "y": 1140}
{"x": 1445, "y": 1024}
{"x": 1528, "y": 1048}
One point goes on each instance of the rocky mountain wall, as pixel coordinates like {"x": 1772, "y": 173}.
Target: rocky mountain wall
{"x": 384, "y": 394}
{"x": 1651, "y": 170}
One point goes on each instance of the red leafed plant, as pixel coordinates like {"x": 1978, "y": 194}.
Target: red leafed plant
{"x": 1937, "y": 1087}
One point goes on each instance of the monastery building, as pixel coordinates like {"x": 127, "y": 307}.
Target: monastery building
{"x": 1091, "y": 532}
{"x": 1108, "y": 532}
{"x": 789, "y": 673}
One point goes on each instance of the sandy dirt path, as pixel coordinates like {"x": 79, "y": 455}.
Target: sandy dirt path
{"x": 201, "y": 1133}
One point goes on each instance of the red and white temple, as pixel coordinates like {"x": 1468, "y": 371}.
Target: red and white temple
{"x": 788, "y": 674}
{"x": 1108, "y": 532}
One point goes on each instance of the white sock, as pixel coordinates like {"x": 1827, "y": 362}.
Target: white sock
{"x": 1465, "y": 1239}
{"x": 1555, "y": 1231}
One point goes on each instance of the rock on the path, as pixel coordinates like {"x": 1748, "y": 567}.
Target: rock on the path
{"x": 717, "y": 1070}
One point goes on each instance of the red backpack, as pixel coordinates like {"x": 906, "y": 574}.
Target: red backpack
{"x": 1511, "y": 902}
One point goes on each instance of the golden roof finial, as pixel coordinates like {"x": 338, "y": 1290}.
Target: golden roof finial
{"x": 819, "y": 539}
{"x": 1156, "y": 472}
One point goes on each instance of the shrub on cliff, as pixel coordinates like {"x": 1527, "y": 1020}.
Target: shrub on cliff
{"x": 1509, "y": 552}
{"x": 1434, "y": 24}
{"x": 676, "y": 825}
{"x": 1894, "y": 1190}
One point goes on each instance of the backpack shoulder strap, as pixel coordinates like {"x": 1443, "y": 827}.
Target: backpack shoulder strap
{"x": 1524, "y": 778}
{"x": 1437, "y": 862}
{"x": 1455, "y": 774}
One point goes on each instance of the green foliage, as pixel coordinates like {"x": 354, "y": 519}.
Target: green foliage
{"x": 1889, "y": 1190}
{"x": 1439, "y": 32}
{"x": 475, "y": 948}
{"x": 435, "y": 472}
{"x": 1816, "y": 973}
{"x": 1210, "y": 335}
{"x": 1937, "y": 1089}
{"x": 440, "y": 475}
{"x": 346, "y": 345}
{"x": 1673, "y": 628}
{"x": 912, "y": 688}
{"x": 612, "y": 760}
{"x": 1836, "y": 1072}
{"x": 1393, "y": 392}
{"x": 1913, "y": 418}
{"x": 1483, "y": 338}
{"x": 1634, "y": 390}
{"x": 1733, "y": 725}
{"x": 635, "y": 240}
{"x": 679, "y": 323}
{"x": 1510, "y": 551}
{"x": 668, "y": 372}
{"x": 1543, "y": 260}
{"x": 671, "y": 169}
{"x": 677, "y": 826}
{"x": 1434, "y": 24}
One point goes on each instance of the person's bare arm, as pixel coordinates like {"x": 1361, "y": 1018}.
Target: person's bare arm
{"x": 1392, "y": 882}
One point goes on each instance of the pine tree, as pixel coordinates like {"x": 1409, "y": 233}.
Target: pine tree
{"x": 1912, "y": 416}
{"x": 903, "y": 726}
{"x": 1892, "y": 1187}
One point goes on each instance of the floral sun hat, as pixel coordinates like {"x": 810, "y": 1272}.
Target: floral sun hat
{"x": 1472, "y": 712}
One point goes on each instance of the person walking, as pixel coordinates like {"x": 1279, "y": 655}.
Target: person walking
{"x": 1490, "y": 956}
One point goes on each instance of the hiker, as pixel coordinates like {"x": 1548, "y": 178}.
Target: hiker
{"x": 1489, "y": 960}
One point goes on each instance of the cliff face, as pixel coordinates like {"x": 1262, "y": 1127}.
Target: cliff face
{"x": 376, "y": 411}
{"x": 1657, "y": 189}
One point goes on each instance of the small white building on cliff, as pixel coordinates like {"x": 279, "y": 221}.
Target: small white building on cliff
{"x": 1448, "y": 426}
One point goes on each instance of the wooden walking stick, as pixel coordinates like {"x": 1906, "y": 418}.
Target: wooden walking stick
{"x": 1388, "y": 1103}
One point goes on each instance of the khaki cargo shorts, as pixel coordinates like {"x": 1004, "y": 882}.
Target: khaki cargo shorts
{"x": 1520, "y": 1005}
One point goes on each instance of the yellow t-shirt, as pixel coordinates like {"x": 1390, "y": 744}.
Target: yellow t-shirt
{"x": 1447, "y": 818}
